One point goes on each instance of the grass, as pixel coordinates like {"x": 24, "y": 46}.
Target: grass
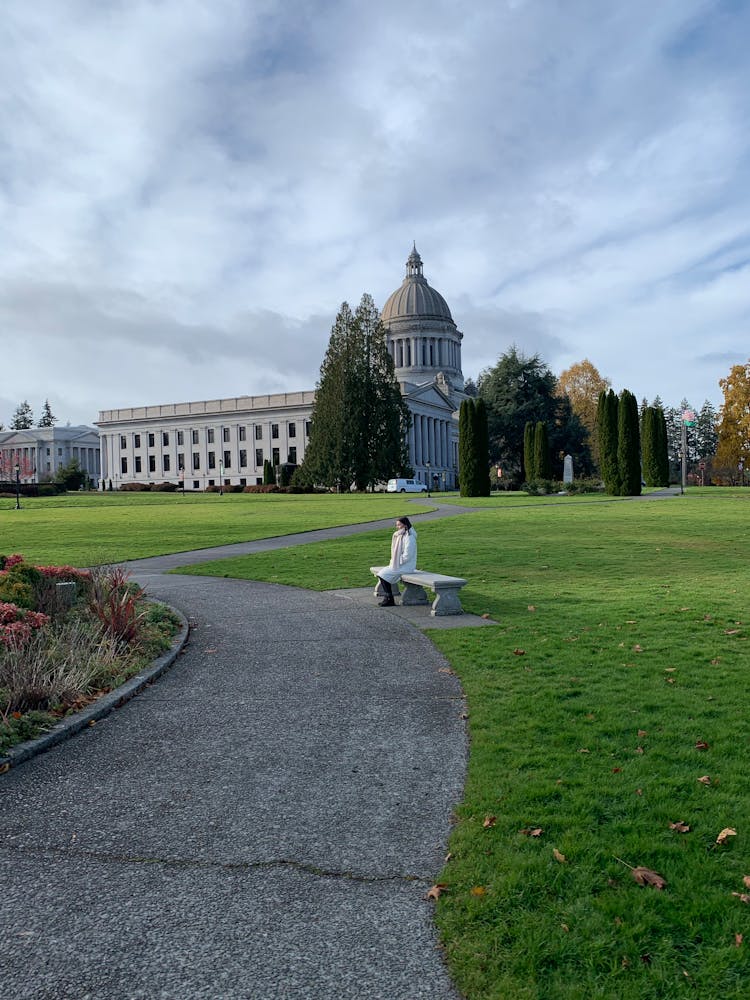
{"x": 622, "y": 646}
{"x": 95, "y": 528}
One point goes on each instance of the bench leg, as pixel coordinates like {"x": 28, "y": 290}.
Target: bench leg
{"x": 414, "y": 594}
{"x": 446, "y": 602}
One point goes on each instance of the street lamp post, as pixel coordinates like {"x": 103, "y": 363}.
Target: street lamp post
{"x": 221, "y": 479}
{"x": 427, "y": 466}
{"x": 17, "y": 470}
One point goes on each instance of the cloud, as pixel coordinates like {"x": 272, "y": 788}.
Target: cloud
{"x": 188, "y": 190}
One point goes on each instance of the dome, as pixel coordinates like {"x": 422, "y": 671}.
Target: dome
{"x": 415, "y": 299}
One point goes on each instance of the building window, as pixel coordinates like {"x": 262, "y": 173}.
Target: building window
{"x": 151, "y": 440}
{"x": 274, "y": 457}
{"x": 258, "y": 457}
{"x": 181, "y": 460}
{"x": 195, "y": 437}
{"x": 243, "y": 481}
{"x": 225, "y": 434}
{"x": 165, "y": 438}
{"x": 196, "y": 484}
{"x": 274, "y": 430}
{"x": 165, "y": 460}
{"x": 293, "y": 456}
{"x": 152, "y": 463}
{"x": 180, "y": 437}
{"x": 242, "y": 431}
{"x": 123, "y": 466}
{"x": 212, "y": 459}
{"x": 138, "y": 465}
{"x": 308, "y": 425}
{"x": 196, "y": 460}
{"x": 243, "y": 458}
{"x": 258, "y": 432}
{"x": 123, "y": 443}
{"x": 136, "y": 440}
{"x": 210, "y": 435}
{"x": 292, "y": 430}
{"x": 227, "y": 460}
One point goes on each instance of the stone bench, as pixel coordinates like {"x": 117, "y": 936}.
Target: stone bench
{"x": 445, "y": 588}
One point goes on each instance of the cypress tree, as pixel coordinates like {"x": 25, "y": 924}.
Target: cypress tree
{"x": 649, "y": 455}
{"x": 542, "y": 463}
{"x": 269, "y": 473}
{"x": 628, "y": 445}
{"x": 482, "y": 448}
{"x": 662, "y": 446}
{"x": 607, "y": 425}
{"x": 467, "y": 451}
{"x": 529, "y": 467}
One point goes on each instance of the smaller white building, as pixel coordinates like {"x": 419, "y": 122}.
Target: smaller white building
{"x": 205, "y": 443}
{"x": 40, "y": 451}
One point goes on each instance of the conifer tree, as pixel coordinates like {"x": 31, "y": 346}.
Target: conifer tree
{"x": 662, "y": 445}
{"x": 23, "y": 418}
{"x": 359, "y": 420}
{"x": 628, "y": 445}
{"x": 529, "y": 467}
{"x": 269, "y": 473}
{"x": 48, "y": 419}
{"x": 607, "y": 427}
{"x": 467, "y": 452}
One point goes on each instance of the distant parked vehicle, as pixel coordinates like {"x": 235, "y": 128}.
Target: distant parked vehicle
{"x": 405, "y": 486}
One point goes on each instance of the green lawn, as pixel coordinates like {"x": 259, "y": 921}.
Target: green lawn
{"x": 622, "y": 647}
{"x": 94, "y": 528}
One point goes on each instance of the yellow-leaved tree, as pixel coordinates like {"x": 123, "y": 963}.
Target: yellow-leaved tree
{"x": 582, "y": 383}
{"x": 733, "y": 451}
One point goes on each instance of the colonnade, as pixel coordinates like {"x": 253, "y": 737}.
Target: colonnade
{"x": 425, "y": 352}
{"x": 430, "y": 441}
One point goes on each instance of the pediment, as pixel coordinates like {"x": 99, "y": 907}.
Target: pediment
{"x": 429, "y": 394}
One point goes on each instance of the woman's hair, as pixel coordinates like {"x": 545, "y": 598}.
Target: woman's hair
{"x": 406, "y": 522}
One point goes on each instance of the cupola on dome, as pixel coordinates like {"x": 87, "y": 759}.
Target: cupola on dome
{"x": 415, "y": 299}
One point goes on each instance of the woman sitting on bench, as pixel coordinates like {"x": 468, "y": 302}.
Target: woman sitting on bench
{"x": 403, "y": 559}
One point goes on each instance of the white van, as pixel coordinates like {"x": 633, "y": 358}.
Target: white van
{"x": 405, "y": 486}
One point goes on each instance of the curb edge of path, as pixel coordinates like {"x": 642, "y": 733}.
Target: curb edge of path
{"x": 70, "y": 726}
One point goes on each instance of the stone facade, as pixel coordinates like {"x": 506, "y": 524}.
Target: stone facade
{"x": 40, "y": 451}
{"x": 226, "y": 441}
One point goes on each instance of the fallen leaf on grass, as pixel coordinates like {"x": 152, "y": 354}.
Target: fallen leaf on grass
{"x": 669, "y": 680}
{"x": 558, "y": 856}
{"x": 485, "y": 615}
{"x": 645, "y": 876}
{"x": 583, "y": 750}
{"x": 616, "y": 770}
{"x": 489, "y": 821}
{"x": 531, "y": 607}
{"x": 746, "y": 881}
{"x": 715, "y": 662}
{"x": 478, "y": 890}
{"x": 701, "y": 745}
{"x": 680, "y": 827}
{"x": 519, "y": 652}
{"x": 725, "y": 834}
{"x": 436, "y": 891}
{"x": 565, "y": 928}
{"x": 705, "y": 780}
{"x": 639, "y": 750}
{"x": 639, "y": 791}
{"x": 535, "y": 831}
{"x": 731, "y": 631}
{"x": 742, "y": 896}
{"x": 737, "y": 940}
{"x": 637, "y": 648}
{"x": 642, "y": 732}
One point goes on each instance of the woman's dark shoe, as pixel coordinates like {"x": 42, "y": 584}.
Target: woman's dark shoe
{"x": 387, "y": 602}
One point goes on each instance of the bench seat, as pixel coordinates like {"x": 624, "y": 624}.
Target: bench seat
{"x": 445, "y": 588}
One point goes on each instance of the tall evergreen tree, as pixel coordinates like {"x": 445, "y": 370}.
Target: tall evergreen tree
{"x": 542, "y": 463}
{"x": 23, "y": 418}
{"x": 467, "y": 448}
{"x": 628, "y": 445}
{"x": 607, "y": 427}
{"x": 269, "y": 473}
{"x": 529, "y": 466}
{"x": 661, "y": 446}
{"x": 359, "y": 420}
{"x": 654, "y": 447}
{"x": 48, "y": 419}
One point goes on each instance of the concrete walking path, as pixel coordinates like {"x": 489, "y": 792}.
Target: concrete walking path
{"x": 264, "y": 822}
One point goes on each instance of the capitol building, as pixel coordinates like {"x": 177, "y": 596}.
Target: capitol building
{"x": 226, "y": 441}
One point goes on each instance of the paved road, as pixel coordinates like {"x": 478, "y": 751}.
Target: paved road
{"x": 264, "y": 822}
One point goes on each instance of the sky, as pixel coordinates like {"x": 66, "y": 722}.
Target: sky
{"x": 189, "y": 189}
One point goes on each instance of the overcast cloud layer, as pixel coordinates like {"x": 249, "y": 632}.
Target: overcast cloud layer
{"x": 190, "y": 188}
